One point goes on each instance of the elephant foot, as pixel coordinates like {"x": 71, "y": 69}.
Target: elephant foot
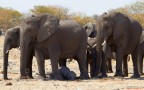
{"x": 23, "y": 77}
{"x": 135, "y": 76}
{"x": 30, "y": 77}
{"x": 85, "y": 76}
{"x": 26, "y": 77}
{"x": 118, "y": 74}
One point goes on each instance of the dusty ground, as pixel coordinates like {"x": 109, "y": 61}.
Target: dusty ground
{"x": 110, "y": 83}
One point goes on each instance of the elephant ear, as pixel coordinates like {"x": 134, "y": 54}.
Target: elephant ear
{"x": 89, "y": 28}
{"x": 48, "y": 25}
{"x": 120, "y": 24}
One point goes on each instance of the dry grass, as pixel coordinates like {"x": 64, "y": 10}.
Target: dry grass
{"x": 110, "y": 83}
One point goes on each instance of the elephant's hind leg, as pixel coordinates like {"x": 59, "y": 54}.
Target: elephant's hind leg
{"x": 125, "y": 66}
{"x": 40, "y": 61}
{"x": 135, "y": 64}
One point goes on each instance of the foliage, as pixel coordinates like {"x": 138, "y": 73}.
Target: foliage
{"x": 139, "y": 18}
{"x": 58, "y": 11}
{"x": 121, "y": 9}
{"x": 81, "y": 18}
{"x": 62, "y": 13}
{"x": 9, "y": 18}
{"x": 136, "y": 8}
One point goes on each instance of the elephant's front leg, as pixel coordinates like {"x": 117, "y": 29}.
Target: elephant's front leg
{"x": 81, "y": 58}
{"x": 41, "y": 62}
{"x": 54, "y": 63}
{"x": 119, "y": 59}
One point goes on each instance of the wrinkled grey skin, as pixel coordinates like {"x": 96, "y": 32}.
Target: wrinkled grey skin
{"x": 54, "y": 40}
{"x": 141, "y": 53}
{"x": 122, "y": 34}
{"x": 11, "y": 40}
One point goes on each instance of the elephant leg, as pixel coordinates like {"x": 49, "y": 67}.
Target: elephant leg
{"x": 140, "y": 64}
{"x": 119, "y": 59}
{"x": 81, "y": 58}
{"x": 41, "y": 62}
{"x": 62, "y": 62}
{"x": 125, "y": 66}
{"x": 135, "y": 64}
{"x": 92, "y": 67}
{"x": 98, "y": 62}
{"x": 54, "y": 63}
{"x": 30, "y": 66}
{"x": 83, "y": 69}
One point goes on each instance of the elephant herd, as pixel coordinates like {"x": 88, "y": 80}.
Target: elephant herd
{"x": 46, "y": 37}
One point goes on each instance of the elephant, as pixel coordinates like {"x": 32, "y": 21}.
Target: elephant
{"x": 122, "y": 34}
{"x": 12, "y": 40}
{"x": 141, "y": 53}
{"x": 91, "y": 53}
{"x": 54, "y": 39}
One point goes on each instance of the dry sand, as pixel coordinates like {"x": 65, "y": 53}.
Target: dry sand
{"x": 109, "y": 83}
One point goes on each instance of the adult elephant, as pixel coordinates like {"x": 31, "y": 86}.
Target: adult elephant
{"x": 57, "y": 40}
{"x": 122, "y": 33}
{"x": 12, "y": 40}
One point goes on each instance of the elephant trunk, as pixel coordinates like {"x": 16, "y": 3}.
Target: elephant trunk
{"x": 99, "y": 41}
{"x": 5, "y": 62}
{"x": 24, "y": 44}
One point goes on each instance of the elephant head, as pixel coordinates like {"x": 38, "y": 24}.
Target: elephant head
{"x": 89, "y": 27}
{"x": 11, "y": 41}
{"x": 35, "y": 29}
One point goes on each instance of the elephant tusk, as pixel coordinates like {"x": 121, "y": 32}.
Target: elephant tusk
{"x": 103, "y": 43}
{"x": 7, "y": 51}
{"x": 94, "y": 45}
